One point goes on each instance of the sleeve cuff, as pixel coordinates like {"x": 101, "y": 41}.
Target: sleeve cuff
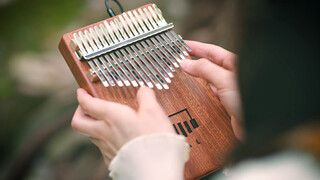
{"x": 154, "y": 156}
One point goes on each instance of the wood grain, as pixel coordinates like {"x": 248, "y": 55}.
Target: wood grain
{"x": 185, "y": 92}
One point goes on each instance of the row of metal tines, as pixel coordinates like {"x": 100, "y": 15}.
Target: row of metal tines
{"x": 137, "y": 47}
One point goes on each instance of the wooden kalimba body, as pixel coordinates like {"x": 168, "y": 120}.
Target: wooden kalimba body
{"x": 111, "y": 58}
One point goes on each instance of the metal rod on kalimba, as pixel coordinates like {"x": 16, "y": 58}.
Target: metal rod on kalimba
{"x": 138, "y": 61}
{"x": 101, "y": 77}
{"x": 102, "y": 70}
{"x": 154, "y": 48}
{"x": 149, "y": 49}
{"x": 112, "y": 73}
{"x": 106, "y": 67}
{"x": 127, "y": 73}
{"x": 141, "y": 73}
{"x": 133, "y": 72}
{"x": 117, "y": 70}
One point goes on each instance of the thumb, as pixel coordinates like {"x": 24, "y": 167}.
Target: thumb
{"x": 147, "y": 101}
{"x": 207, "y": 70}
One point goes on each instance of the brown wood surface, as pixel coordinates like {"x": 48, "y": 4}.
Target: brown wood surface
{"x": 185, "y": 92}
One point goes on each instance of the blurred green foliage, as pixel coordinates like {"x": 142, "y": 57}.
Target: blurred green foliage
{"x": 25, "y": 26}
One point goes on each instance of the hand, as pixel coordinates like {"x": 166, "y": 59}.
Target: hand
{"x": 217, "y": 66}
{"x": 110, "y": 125}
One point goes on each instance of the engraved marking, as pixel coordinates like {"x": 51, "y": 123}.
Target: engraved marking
{"x": 187, "y": 126}
{"x": 182, "y": 130}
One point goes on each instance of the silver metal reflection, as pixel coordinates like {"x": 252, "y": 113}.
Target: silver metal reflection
{"x": 135, "y": 48}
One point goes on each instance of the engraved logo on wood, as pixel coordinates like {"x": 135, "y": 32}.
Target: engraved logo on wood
{"x": 186, "y": 126}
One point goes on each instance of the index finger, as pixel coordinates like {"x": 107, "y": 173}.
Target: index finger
{"x": 215, "y": 54}
{"x": 101, "y": 109}
{"x": 92, "y": 106}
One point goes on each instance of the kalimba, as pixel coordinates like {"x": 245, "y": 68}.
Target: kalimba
{"x": 112, "y": 58}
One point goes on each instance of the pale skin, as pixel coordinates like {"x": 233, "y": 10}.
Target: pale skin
{"x": 110, "y": 125}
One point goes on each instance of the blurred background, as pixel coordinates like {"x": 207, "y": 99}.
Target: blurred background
{"x": 37, "y": 89}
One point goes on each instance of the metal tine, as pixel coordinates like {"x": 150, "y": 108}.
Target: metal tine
{"x": 141, "y": 73}
{"x": 167, "y": 33}
{"x": 85, "y": 43}
{"x": 165, "y": 44}
{"x": 181, "y": 41}
{"x": 149, "y": 67}
{"x": 129, "y": 31}
{"x": 112, "y": 73}
{"x": 104, "y": 72}
{"x": 165, "y": 52}
{"x": 140, "y": 21}
{"x": 145, "y": 20}
{"x": 172, "y": 52}
{"x": 167, "y": 71}
{"x": 142, "y": 49}
{"x": 89, "y": 38}
{"x": 159, "y": 14}
{"x": 145, "y": 70}
{"x": 154, "y": 48}
{"x": 172, "y": 45}
{"x": 155, "y": 25}
{"x": 149, "y": 17}
{"x": 159, "y": 17}
{"x": 175, "y": 41}
{"x": 139, "y": 29}
{"x": 106, "y": 35}
{"x": 79, "y": 42}
{"x": 132, "y": 25}
{"x": 132, "y": 71}
{"x": 126, "y": 31}
{"x": 123, "y": 33}
{"x": 148, "y": 49}
{"x": 119, "y": 32}
{"x": 118, "y": 71}
{"x": 153, "y": 13}
{"x": 114, "y": 39}
{"x": 95, "y": 38}
{"x": 126, "y": 72}
{"x": 115, "y": 30}
{"x": 120, "y": 29}
{"x": 101, "y": 38}
{"x": 156, "y": 67}
{"x": 129, "y": 22}
{"x": 101, "y": 77}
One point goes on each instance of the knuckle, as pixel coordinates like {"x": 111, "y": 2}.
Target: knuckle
{"x": 103, "y": 114}
{"x": 84, "y": 105}
{"x": 153, "y": 109}
{"x": 74, "y": 124}
{"x": 201, "y": 64}
{"x": 97, "y": 130}
{"x": 150, "y": 109}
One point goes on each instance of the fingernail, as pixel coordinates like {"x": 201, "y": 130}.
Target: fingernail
{"x": 215, "y": 90}
{"x": 185, "y": 64}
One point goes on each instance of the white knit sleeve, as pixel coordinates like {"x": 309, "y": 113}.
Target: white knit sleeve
{"x": 155, "y": 156}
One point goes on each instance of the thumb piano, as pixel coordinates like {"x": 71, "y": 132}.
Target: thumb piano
{"x": 113, "y": 57}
